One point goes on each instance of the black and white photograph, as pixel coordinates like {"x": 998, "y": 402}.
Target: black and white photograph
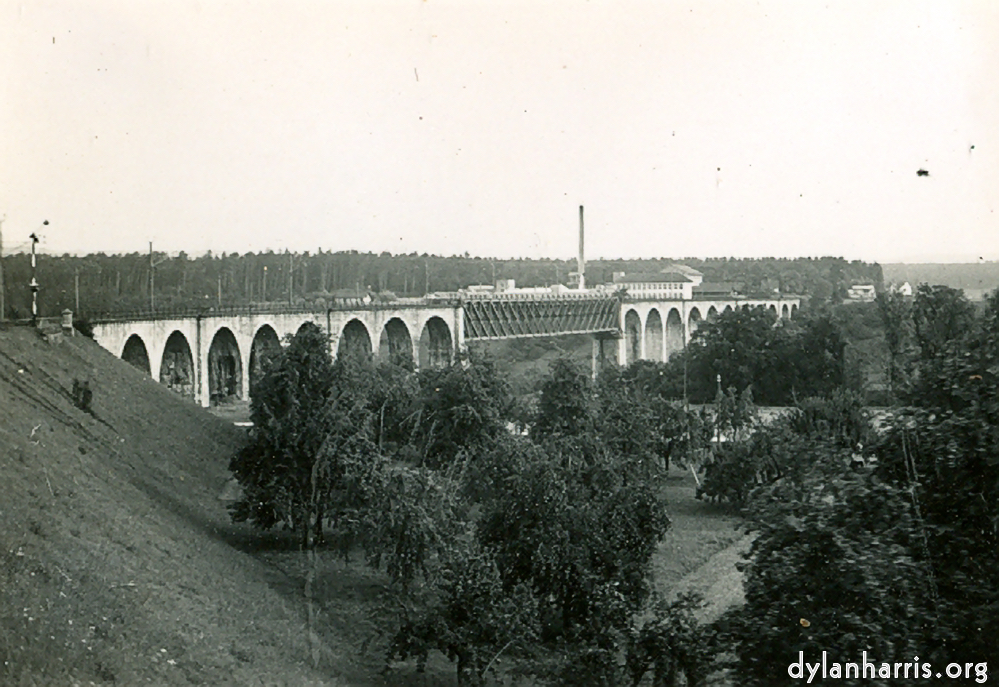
{"x": 494, "y": 343}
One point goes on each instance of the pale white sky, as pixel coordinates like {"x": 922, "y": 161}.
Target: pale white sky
{"x": 719, "y": 128}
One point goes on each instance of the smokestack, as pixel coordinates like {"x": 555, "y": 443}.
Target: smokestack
{"x": 581, "y": 260}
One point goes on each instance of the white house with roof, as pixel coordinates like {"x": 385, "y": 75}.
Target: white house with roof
{"x": 862, "y": 292}
{"x": 676, "y": 282}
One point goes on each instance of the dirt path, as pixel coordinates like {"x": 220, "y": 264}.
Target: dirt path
{"x": 718, "y": 581}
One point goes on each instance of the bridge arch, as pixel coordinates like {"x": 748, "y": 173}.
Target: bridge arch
{"x": 712, "y": 313}
{"x": 693, "y": 320}
{"x": 265, "y": 344}
{"x": 225, "y": 367}
{"x": 773, "y": 309}
{"x": 177, "y": 365}
{"x": 794, "y": 309}
{"x": 728, "y": 308}
{"x": 674, "y": 333}
{"x": 784, "y": 312}
{"x": 395, "y": 345}
{"x": 654, "y": 336}
{"x": 135, "y": 354}
{"x": 355, "y": 342}
{"x": 435, "y": 344}
{"x": 632, "y": 337}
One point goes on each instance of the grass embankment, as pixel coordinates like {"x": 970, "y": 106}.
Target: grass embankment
{"x": 117, "y": 560}
{"x": 701, "y": 548}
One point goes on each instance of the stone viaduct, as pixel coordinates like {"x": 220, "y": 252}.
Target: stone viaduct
{"x": 215, "y": 354}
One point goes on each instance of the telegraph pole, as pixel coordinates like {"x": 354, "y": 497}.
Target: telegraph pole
{"x": 34, "y": 282}
{"x": 152, "y": 277}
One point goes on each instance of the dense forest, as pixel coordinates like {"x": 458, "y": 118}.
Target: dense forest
{"x": 99, "y": 283}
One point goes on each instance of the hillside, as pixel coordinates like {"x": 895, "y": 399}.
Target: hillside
{"x": 118, "y": 564}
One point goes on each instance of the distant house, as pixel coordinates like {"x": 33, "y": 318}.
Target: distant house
{"x": 903, "y": 289}
{"x": 864, "y": 293}
{"x": 675, "y": 282}
{"x": 665, "y": 285}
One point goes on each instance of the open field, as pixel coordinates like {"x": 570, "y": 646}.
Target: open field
{"x": 119, "y": 565}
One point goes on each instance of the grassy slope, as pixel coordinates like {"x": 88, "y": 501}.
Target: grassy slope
{"x": 699, "y": 531}
{"x": 117, "y": 562}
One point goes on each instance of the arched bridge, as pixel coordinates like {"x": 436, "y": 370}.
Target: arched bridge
{"x": 214, "y": 354}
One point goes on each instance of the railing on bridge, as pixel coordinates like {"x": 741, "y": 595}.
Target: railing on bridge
{"x": 257, "y": 309}
{"x": 501, "y": 317}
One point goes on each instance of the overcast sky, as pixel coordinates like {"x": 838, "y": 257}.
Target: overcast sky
{"x": 725, "y": 128}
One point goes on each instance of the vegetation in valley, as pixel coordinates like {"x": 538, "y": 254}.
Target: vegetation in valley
{"x": 539, "y": 545}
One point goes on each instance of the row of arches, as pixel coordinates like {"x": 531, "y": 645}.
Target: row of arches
{"x": 659, "y": 341}
{"x": 225, "y": 360}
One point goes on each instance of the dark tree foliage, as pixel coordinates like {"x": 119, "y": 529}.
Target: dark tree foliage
{"x": 653, "y": 379}
{"x": 565, "y": 404}
{"x": 394, "y": 396}
{"x": 944, "y": 328}
{"x": 492, "y": 540}
{"x": 414, "y": 515}
{"x": 638, "y": 421}
{"x": 755, "y": 455}
{"x": 462, "y": 407}
{"x": 470, "y": 617}
{"x": 780, "y": 359}
{"x": 830, "y": 570}
{"x": 671, "y": 643}
{"x": 737, "y": 345}
{"x": 945, "y": 452}
{"x": 275, "y": 468}
{"x": 896, "y": 317}
{"x": 832, "y": 565}
{"x": 940, "y": 315}
{"x": 310, "y": 420}
{"x": 894, "y": 561}
{"x": 569, "y": 527}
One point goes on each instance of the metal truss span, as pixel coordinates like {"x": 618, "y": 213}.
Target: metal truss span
{"x": 501, "y": 318}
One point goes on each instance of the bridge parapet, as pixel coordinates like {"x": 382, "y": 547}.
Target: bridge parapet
{"x": 269, "y": 309}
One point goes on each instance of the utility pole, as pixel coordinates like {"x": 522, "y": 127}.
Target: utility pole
{"x": 220, "y": 289}
{"x": 152, "y": 277}
{"x": 264, "y": 294}
{"x": 76, "y": 288}
{"x": 581, "y": 259}
{"x": 34, "y": 282}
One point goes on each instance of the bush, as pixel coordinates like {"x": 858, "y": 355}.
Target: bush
{"x": 82, "y": 324}
{"x": 82, "y": 395}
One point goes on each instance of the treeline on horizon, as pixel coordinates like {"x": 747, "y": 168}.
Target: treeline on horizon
{"x": 116, "y": 283}
{"x": 975, "y": 278}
